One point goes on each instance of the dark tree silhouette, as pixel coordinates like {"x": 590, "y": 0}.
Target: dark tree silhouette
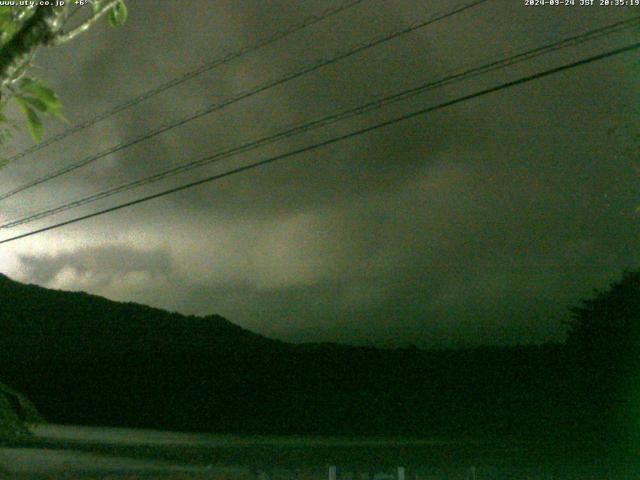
{"x": 604, "y": 338}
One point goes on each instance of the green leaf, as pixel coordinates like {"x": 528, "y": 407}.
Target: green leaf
{"x": 40, "y": 91}
{"x": 36, "y": 103}
{"x": 8, "y": 27}
{"x": 118, "y": 14}
{"x": 43, "y": 96}
{"x": 34, "y": 123}
{"x": 3, "y": 162}
{"x": 58, "y": 114}
{"x": 5, "y": 18}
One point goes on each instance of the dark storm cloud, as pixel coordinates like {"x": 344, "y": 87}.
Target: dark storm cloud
{"x": 479, "y": 223}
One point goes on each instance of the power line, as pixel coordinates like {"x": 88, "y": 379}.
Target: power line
{"x": 244, "y": 95}
{"x": 337, "y": 139}
{"x": 333, "y": 118}
{"x": 307, "y": 22}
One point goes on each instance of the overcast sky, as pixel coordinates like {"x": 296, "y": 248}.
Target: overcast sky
{"x": 480, "y": 223}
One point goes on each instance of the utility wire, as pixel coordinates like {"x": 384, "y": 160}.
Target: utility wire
{"x": 244, "y": 95}
{"x": 307, "y": 22}
{"x": 337, "y": 139}
{"x": 333, "y": 118}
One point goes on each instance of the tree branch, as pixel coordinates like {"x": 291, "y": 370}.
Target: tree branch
{"x": 24, "y": 13}
{"x": 84, "y": 26}
{"x": 39, "y": 29}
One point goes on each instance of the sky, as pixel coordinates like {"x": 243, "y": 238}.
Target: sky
{"x": 482, "y": 223}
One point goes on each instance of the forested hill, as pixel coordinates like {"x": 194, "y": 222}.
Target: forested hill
{"x": 85, "y": 359}
{"x": 77, "y": 322}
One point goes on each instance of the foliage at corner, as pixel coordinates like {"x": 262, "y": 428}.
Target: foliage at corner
{"x": 23, "y": 29}
{"x": 35, "y": 99}
{"x": 15, "y": 413}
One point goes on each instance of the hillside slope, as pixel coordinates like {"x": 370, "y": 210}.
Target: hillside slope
{"x": 85, "y": 359}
